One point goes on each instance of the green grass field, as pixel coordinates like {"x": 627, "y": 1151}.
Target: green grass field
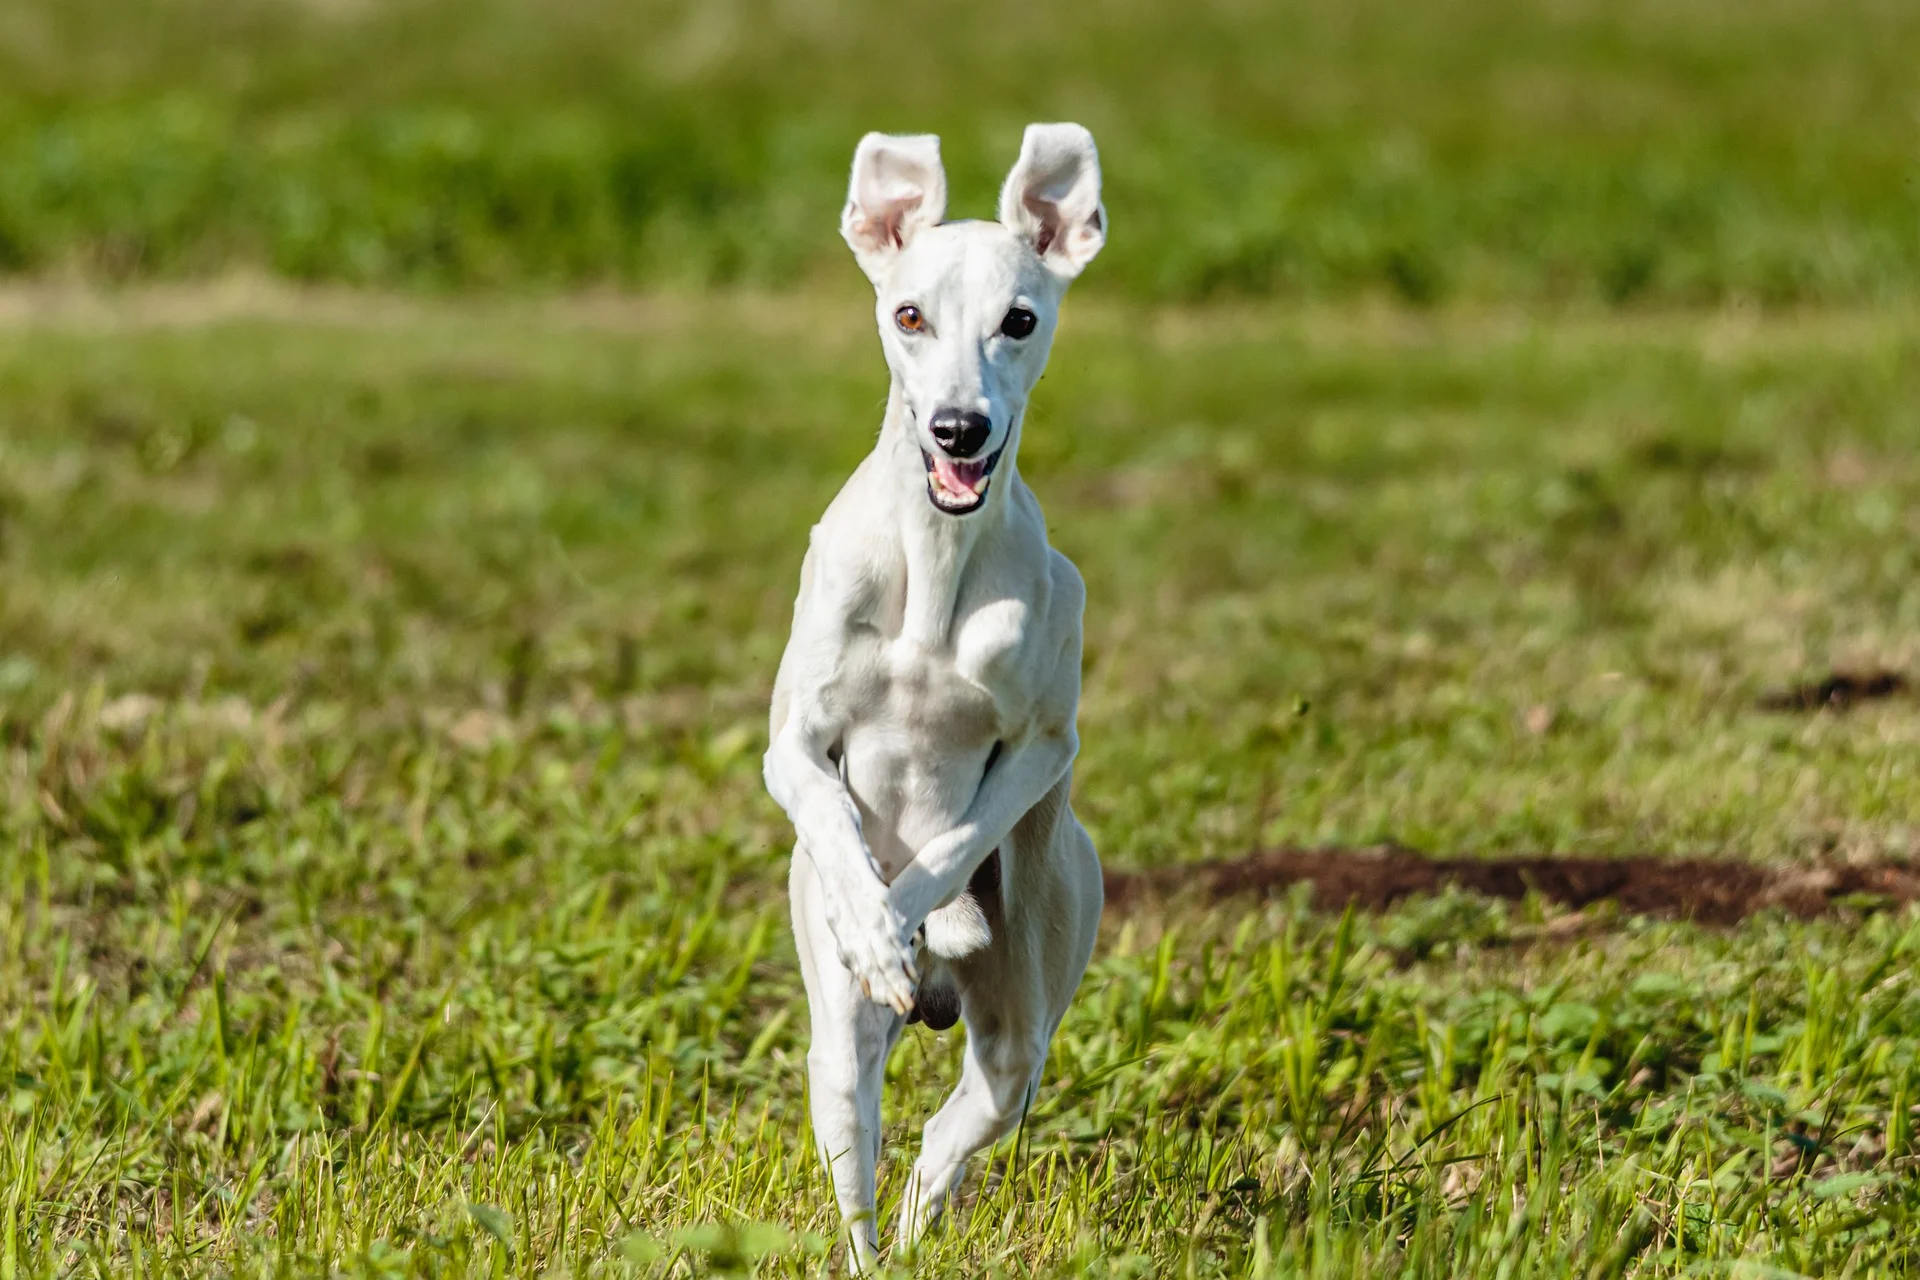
{"x": 411, "y": 415}
{"x": 385, "y": 681}
{"x": 1616, "y": 151}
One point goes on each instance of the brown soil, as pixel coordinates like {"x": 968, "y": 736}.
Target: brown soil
{"x": 1705, "y": 890}
{"x": 1838, "y": 691}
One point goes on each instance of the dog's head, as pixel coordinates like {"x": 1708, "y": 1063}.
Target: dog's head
{"x": 967, "y": 309}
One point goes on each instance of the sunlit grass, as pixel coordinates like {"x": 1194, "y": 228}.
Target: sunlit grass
{"x": 392, "y": 891}
{"x": 611, "y": 1076}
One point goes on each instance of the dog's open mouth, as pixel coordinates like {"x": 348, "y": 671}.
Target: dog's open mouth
{"x": 956, "y": 486}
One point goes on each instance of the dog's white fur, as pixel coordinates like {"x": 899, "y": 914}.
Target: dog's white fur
{"x": 923, "y": 715}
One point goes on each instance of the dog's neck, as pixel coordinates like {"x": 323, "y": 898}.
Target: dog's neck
{"x": 936, "y": 547}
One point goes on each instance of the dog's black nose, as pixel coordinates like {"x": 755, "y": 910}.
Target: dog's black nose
{"x": 960, "y": 432}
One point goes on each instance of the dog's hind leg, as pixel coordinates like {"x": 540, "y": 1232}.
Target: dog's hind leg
{"x": 996, "y": 1083}
{"x": 1012, "y": 995}
{"x": 846, "y": 1061}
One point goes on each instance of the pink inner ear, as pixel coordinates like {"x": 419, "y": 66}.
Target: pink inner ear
{"x": 1046, "y": 214}
{"x": 896, "y": 220}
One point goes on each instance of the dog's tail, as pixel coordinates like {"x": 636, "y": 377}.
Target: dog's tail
{"x": 958, "y": 929}
{"x": 961, "y": 927}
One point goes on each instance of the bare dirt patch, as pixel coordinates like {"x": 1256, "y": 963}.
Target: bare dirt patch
{"x": 1837, "y": 692}
{"x": 1705, "y": 890}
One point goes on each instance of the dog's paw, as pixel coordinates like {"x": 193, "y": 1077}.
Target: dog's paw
{"x": 873, "y": 946}
{"x": 884, "y": 969}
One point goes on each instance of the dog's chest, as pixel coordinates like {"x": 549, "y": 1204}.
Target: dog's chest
{"x": 921, "y": 723}
{"x": 967, "y": 691}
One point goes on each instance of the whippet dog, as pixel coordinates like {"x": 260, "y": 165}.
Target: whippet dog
{"x": 922, "y": 730}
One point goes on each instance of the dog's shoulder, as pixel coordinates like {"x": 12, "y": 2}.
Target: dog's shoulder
{"x": 1069, "y": 588}
{"x": 851, "y": 556}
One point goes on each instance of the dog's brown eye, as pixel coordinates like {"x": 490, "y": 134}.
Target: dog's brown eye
{"x": 909, "y": 319}
{"x": 1018, "y": 323}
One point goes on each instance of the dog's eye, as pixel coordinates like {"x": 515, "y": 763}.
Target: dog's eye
{"x": 1018, "y": 323}
{"x": 909, "y": 319}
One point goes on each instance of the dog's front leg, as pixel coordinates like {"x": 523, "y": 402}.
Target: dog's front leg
{"x": 1023, "y": 774}
{"x": 846, "y": 1063}
{"x": 870, "y": 936}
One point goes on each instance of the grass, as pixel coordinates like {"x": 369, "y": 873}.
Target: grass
{"x": 1494, "y": 150}
{"x": 1420, "y": 528}
{"x": 393, "y": 892}
{"x": 1479, "y": 408}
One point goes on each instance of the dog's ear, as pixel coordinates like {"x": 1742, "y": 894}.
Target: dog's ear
{"x": 1052, "y": 197}
{"x": 898, "y": 188}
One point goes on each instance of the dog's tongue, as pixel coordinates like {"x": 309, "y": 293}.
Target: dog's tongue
{"x": 960, "y": 477}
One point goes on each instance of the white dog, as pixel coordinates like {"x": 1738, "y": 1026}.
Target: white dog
{"x": 922, "y": 735}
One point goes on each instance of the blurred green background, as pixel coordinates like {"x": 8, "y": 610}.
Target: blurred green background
{"x": 1612, "y": 150}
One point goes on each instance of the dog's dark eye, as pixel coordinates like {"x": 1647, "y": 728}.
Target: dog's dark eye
{"x": 909, "y": 319}
{"x": 1018, "y": 323}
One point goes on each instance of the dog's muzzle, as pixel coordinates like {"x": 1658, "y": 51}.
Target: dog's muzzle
{"x": 956, "y": 486}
